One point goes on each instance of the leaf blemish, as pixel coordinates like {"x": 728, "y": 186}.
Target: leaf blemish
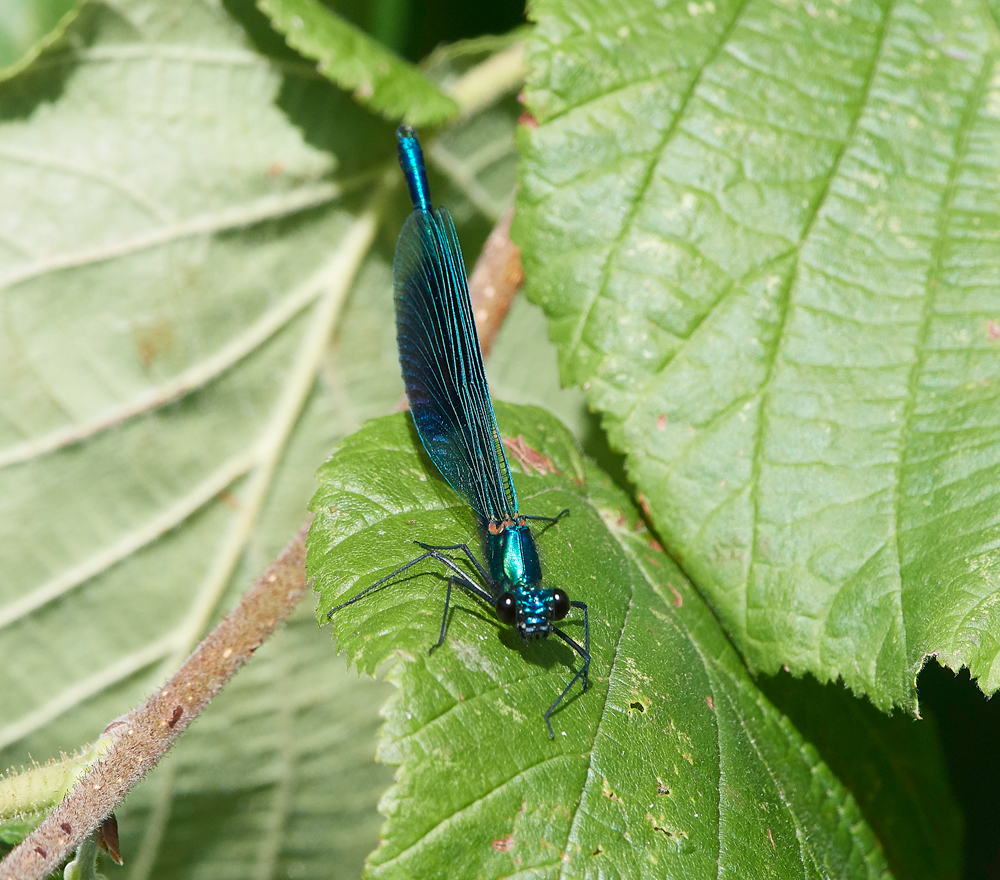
{"x": 678, "y": 600}
{"x": 661, "y": 787}
{"x": 598, "y": 851}
{"x": 153, "y": 341}
{"x": 659, "y": 825}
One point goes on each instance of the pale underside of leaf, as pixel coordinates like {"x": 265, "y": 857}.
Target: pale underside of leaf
{"x": 172, "y": 264}
{"x": 173, "y": 260}
{"x": 767, "y": 250}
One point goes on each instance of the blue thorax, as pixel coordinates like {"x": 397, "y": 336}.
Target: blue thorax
{"x": 514, "y": 567}
{"x": 512, "y": 557}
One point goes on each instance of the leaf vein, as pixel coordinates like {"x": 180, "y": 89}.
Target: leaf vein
{"x": 965, "y": 126}
{"x": 784, "y": 305}
{"x": 656, "y": 154}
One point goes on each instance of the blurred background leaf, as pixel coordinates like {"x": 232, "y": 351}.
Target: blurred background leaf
{"x": 25, "y": 23}
{"x": 160, "y": 288}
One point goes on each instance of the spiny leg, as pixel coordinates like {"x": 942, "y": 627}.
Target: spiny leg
{"x": 581, "y": 672}
{"x": 549, "y": 519}
{"x": 444, "y": 560}
{"x": 444, "y": 617}
{"x": 465, "y": 549}
{"x": 463, "y": 581}
{"x": 377, "y": 583}
{"x": 586, "y": 640}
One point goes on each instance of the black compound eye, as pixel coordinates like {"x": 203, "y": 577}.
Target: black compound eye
{"x": 507, "y": 608}
{"x": 560, "y": 604}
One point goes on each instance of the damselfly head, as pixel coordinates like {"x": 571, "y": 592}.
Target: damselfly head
{"x": 532, "y": 611}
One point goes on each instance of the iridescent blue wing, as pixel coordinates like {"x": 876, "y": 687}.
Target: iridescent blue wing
{"x": 443, "y": 366}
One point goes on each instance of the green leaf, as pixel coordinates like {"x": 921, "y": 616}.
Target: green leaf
{"x": 349, "y": 57}
{"x": 27, "y": 25}
{"x": 673, "y": 762}
{"x": 893, "y": 767}
{"x": 26, "y": 797}
{"x": 765, "y": 237}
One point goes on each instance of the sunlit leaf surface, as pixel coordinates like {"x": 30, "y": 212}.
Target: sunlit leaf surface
{"x": 765, "y": 235}
{"x": 673, "y": 762}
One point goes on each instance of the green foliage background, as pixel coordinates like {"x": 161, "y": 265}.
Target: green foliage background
{"x": 763, "y": 236}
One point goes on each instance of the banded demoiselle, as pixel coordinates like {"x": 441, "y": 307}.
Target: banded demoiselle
{"x": 450, "y": 403}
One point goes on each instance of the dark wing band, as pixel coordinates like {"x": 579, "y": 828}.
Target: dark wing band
{"x": 442, "y": 365}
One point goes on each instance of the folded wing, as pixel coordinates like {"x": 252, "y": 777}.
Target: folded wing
{"x": 442, "y": 365}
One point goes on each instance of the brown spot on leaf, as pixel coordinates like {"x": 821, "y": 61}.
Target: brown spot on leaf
{"x": 992, "y": 330}
{"x": 609, "y": 792}
{"x": 661, "y": 422}
{"x": 678, "y": 598}
{"x": 660, "y": 825}
{"x": 644, "y": 504}
{"x": 529, "y": 459}
{"x": 711, "y": 703}
{"x": 153, "y": 340}
{"x": 504, "y": 844}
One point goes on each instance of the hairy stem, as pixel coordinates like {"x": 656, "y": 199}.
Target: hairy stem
{"x": 140, "y": 738}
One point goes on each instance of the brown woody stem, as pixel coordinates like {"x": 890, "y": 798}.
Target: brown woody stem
{"x": 143, "y": 736}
